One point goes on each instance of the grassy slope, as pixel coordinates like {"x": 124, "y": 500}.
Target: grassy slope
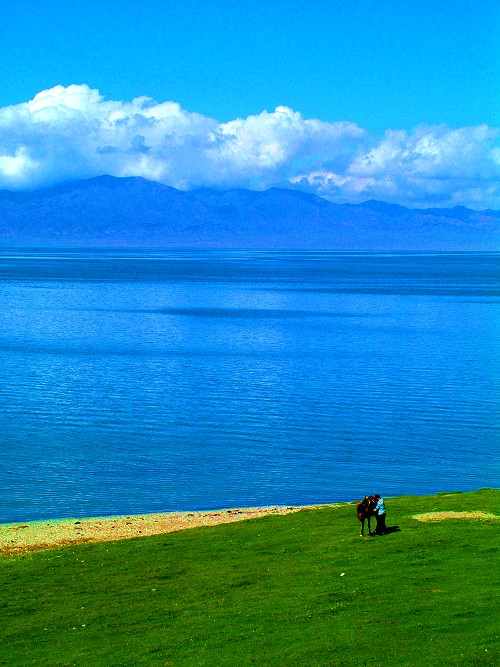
{"x": 266, "y": 592}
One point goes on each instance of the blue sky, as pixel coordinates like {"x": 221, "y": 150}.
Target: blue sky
{"x": 376, "y": 99}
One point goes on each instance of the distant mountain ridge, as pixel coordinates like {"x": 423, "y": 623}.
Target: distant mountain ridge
{"x": 111, "y": 211}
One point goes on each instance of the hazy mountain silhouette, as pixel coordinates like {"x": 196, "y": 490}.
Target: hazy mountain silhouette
{"x": 109, "y": 211}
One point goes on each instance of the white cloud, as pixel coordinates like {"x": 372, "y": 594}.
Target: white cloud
{"x": 16, "y": 167}
{"x": 429, "y": 166}
{"x": 73, "y": 132}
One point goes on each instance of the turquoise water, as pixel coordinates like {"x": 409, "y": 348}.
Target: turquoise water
{"x": 160, "y": 380}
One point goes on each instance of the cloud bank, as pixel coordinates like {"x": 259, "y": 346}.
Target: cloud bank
{"x": 72, "y": 132}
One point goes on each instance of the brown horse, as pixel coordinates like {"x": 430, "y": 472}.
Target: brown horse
{"x": 366, "y": 509}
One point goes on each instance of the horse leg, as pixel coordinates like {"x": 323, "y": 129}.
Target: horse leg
{"x": 369, "y": 526}
{"x": 362, "y": 527}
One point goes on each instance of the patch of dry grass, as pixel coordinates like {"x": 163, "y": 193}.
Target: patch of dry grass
{"x": 441, "y": 516}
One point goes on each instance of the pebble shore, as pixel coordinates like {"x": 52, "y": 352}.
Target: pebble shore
{"x": 24, "y": 537}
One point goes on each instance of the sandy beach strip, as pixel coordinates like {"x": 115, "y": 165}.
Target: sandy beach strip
{"x": 17, "y": 538}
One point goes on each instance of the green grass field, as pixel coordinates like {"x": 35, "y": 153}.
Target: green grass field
{"x": 300, "y": 590}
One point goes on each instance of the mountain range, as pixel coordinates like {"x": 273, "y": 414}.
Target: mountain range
{"x": 111, "y": 211}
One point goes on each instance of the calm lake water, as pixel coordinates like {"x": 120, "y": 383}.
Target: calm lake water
{"x": 160, "y": 380}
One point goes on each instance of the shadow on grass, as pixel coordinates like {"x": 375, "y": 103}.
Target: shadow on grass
{"x": 388, "y": 531}
{"x": 392, "y": 529}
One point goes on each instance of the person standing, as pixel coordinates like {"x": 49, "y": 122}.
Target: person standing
{"x": 380, "y": 515}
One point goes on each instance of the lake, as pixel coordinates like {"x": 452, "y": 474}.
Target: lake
{"x": 148, "y": 380}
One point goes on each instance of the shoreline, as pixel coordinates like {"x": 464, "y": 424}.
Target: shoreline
{"x": 19, "y": 538}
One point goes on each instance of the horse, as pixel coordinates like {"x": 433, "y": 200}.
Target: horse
{"x": 365, "y": 510}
